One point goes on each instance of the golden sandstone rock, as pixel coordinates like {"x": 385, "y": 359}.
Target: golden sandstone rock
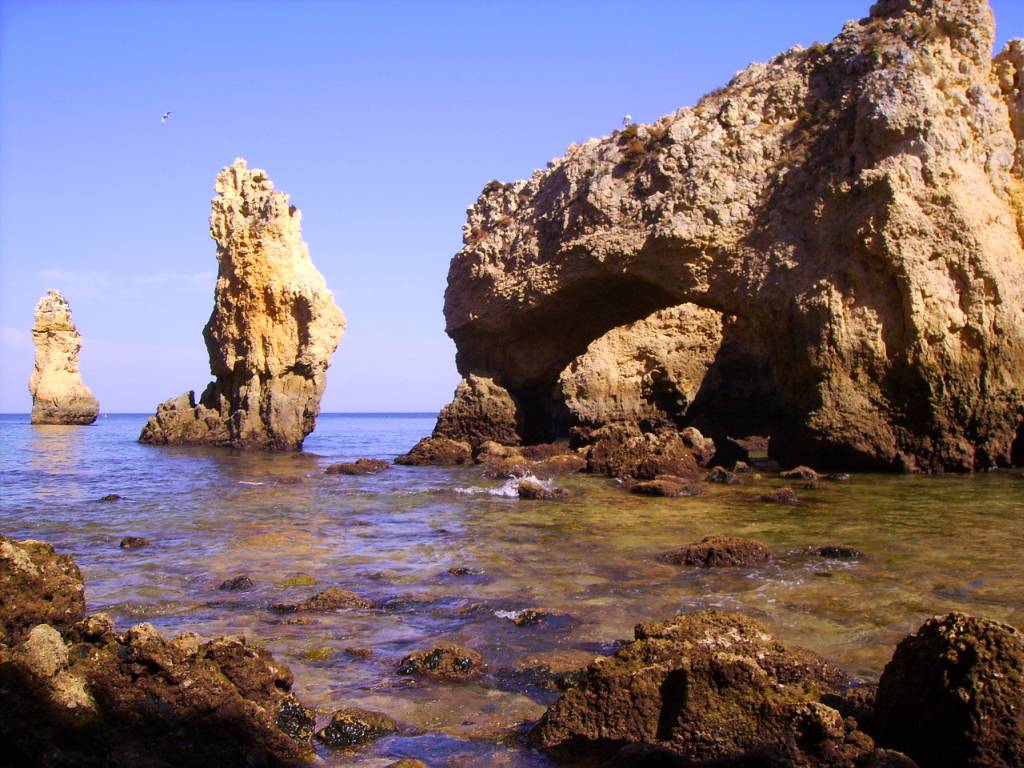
{"x": 854, "y": 212}
{"x": 58, "y": 394}
{"x": 272, "y": 332}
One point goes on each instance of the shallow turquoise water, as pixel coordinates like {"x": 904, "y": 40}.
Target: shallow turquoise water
{"x": 932, "y": 544}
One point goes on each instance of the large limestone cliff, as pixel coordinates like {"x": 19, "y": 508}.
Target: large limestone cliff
{"x": 272, "y": 332}
{"x": 58, "y": 394}
{"x": 854, "y": 213}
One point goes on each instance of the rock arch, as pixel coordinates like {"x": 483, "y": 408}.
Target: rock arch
{"x": 857, "y": 206}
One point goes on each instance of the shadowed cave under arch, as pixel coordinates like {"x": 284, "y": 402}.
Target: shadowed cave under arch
{"x": 736, "y": 399}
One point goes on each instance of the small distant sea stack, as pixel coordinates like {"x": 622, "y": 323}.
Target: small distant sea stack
{"x": 58, "y": 394}
{"x": 272, "y": 332}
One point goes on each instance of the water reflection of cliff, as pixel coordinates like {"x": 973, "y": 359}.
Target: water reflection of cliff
{"x": 57, "y": 450}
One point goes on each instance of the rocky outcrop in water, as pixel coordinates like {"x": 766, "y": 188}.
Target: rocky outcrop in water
{"x": 58, "y": 394}
{"x": 272, "y": 332}
{"x": 481, "y": 411}
{"x": 853, "y": 212}
{"x": 75, "y": 692}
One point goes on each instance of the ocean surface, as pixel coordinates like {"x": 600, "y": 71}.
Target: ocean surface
{"x": 931, "y": 545}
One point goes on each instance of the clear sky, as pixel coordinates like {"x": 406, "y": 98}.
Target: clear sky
{"x": 382, "y": 120}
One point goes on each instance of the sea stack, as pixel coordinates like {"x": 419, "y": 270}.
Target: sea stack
{"x": 852, "y": 213}
{"x": 272, "y": 332}
{"x": 58, "y": 394}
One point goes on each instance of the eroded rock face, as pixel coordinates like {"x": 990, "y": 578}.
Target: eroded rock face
{"x": 710, "y": 688}
{"x": 856, "y": 207}
{"x": 75, "y": 692}
{"x": 648, "y": 370}
{"x": 272, "y": 332}
{"x": 58, "y": 394}
{"x": 953, "y": 694}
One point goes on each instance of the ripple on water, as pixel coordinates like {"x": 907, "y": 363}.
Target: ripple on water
{"x": 445, "y": 558}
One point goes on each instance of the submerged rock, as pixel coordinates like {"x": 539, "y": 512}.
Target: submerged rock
{"x": 800, "y": 473}
{"x": 953, "y": 695}
{"x": 837, "y": 552}
{"x": 353, "y": 726}
{"x": 75, "y": 692}
{"x": 134, "y": 542}
{"x": 722, "y": 476}
{"x": 718, "y": 552}
{"x": 711, "y": 688}
{"x": 331, "y": 599}
{"x": 446, "y": 661}
{"x": 236, "y": 584}
{"x": 58, "y": 394}
{"x": 439, "y": 451}
{"x": 272, "y": 332}
{"x": 772, "y": 202}
{"x": 666, "y": 486}
{"x": 784, "y": 495}
{"x": 358, "y": 467}
{"x": 531, "y": 489}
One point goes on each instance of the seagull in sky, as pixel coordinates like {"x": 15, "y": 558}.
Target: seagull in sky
{"x": 166, "y": 117}
{"x": 626, "y": 121}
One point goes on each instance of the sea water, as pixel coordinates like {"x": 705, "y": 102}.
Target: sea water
{"x": 931, "y": 544}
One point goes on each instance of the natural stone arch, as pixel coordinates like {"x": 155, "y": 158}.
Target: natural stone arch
{"x": 856, "y": 205}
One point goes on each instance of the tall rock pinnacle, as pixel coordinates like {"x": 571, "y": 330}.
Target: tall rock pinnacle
{"x": 58, "y": 394}
{"x": 272, "y": 332}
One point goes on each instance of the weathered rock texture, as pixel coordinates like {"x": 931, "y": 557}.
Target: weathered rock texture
{"x": 75, "y": 692}
{"x": 853, "y": 211}
{"x": 480, "y": 411}
{"x": 953, "y": 694}
{"x": 651, "y": 369}
{"x": 58, "y": 394}
{"x": 272, "y": 332}
{"x": 711, "y": 688}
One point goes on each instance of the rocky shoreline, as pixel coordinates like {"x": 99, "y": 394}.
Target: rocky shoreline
{"x": 708, "y": 688}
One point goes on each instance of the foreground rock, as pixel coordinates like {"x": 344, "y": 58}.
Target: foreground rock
{"x": 37, "y": 586}
{"x": 75, "y": 692}
{"x": 953, "y": 695}
{"x": 719, "y": 552}
{"x": 707, "y": 688}
{"x": 272, "y": 332}
{"x": 852, "y": 213}
{"x": 58, "y": 394}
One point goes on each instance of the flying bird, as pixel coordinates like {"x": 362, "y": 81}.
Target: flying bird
{"x": 626, "y": 121}
{"x": 166, "y": 117}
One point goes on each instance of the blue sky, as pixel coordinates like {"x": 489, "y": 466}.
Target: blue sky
{"x": 382, "y": 120}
